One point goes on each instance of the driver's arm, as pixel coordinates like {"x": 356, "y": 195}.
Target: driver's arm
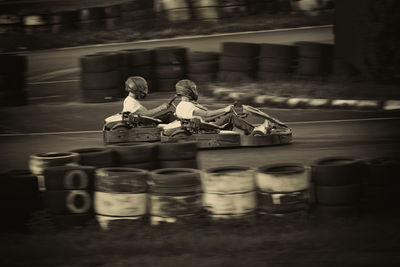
{"x": 150, "y": 112}
{"x": 211, "y": 113}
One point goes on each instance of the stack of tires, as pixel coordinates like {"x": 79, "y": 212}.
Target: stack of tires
{"x": 120, "y": 196}
{"x": 283, "y": 190}
{"x": 314, "y": 58}
{"x": 35, "y": 23}
{"x": 380, "y": 187}
{"x": 202, "y": 66}
{"x": 175, "y": 195}
{"x": 124, "y": 68}
{"x": 170, "y": 66}
{"x": 238, "y": 62}
{"x": 112, "y": 17}
{"x": 175, "y": 11}
{"x": 232, "y": 8}
{"x": 63, "y": 21}
{"x": 9, "y": 23}
{"x": 19, "y": 200}
{"x": 338, "y": 186}
{"x": 138, "y": 14}
{"x": 141, "y": 64}
{"x": 276, "y": 60}
{"x": 68, "y": 198}
{"x": 177, "y": 155}
{"x": 206, "y": 10}
{"x": 229, "y": 192}
{"x": 98, "y": 157}
{"x": 134, "y": 155}
{"x": 39, "y": 162}
{"x": 91, "y": 18}
{"x": 100, "y": 78}
{"x": 12, "y": 80}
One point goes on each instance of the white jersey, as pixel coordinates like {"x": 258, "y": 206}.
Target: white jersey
{"x": 131, "y": 105}
{"x": 184, "y": 110}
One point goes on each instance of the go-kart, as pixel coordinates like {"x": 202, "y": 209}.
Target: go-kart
{"x": 210, "y": 135}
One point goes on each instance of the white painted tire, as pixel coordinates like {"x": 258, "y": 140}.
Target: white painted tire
{"x": 114, "y": 204}
{"x": 228, "y": 180}
{"x": 230, "y": 204}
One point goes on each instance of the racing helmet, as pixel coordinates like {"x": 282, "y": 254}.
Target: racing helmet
{"x": 137, "y": 85}
{"x": 187, "y": 88}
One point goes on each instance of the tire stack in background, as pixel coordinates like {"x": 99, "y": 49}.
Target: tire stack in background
{"x": 112, "y": 17}
{"x": 238, "y": 62}
{"x": 232, "y": 8}
{"x": 35, "y": 23}
{"x": 141, "y": 64}
{"x": 64, "y": 21}
{"x": 68, "y": 198}
{"x": 98, "y": 157}
{"x": 91, "y": 18}
{"x": 100, "y": 78}
{"x": 229, "y": 192}
{"x": 13, "y": 80}
{"x": 206, "y": 10}
{"x": 177, "y": 155}
{"x": 338, "y": 186}
{"x": 174, "y": 11}
{"x": 39, "y": 162}
{"x": 138, "y": 14}
{"x": 202, "y": 66}
{"x": 135, "y": 155}
{"x": 283, "y": 190}
{"x": 381, "y": 187}
{"x": 276, "y": 61}
{"x": 125, "y": 70}
{"x": 9, "y": 23}
{"x": 314, "y": 58}
{"x": 120, "y": 196}
{"x": 170, "y": 66}
{"x": 175, "y": 195}
{"x": 19, "y": 199}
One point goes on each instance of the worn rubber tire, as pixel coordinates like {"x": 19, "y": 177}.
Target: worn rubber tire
{"x": 338, "y": 195}
{"x": 238, "y": 49}
{"x": 101, "y": 80}
{"x": 203, "y": 67}
{"x": 280, "y": 65}
{"x": 177, "y": 151}
{"x": 96, "y": 156}
{"x": 171, "y": 55}
{"x": 232, "y": 63}
{"x": 68, "y": 201}
{"x": 69, "y": 177}
{"x": 314, "y": 50}
{"x": 140, "y": 57}
{"x": 278, "y": 51}
{"x": 149, "y": 166}
{"x": 186, "y": 163}
{"x": 235, "y": 76}
{"x": 175, "y": 177}
{"x": 285, "y": 203}
{"x": 98, "y": 63}
{"x": 121, "y": 180}
{"x": 313, "y": 66}
{"x": 335, "y": 171}
{"x": 197, "y": 56}
{"x": 133, "y": 153}
{"x": 38, "y": 162}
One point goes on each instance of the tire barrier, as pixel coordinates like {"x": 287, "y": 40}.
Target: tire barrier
{"x": 283, "y": 189}
{"x": 19, "y": 200}
{"x": 175, "y": 195}
{"x": 138, "y": 14}
{"x": 112, "y": 17}
{"x": 39, "y": 162}
{"x": 338, "y": 184}
{"x": 381, "y": 185}
{"x": 134, "y": 155}
{"x": 177, "y": 155}
{"x": 100, "y": 78}
{"x": 9, "y": 23}
{"x": 238, "y": 62}
{"x": 35, "y": 23}
{"x": 206, "y": 10}
{"x": 97, "y": 156}
{"x": 202, "y": 66}
{"x": 276, "y": 59}
{"x": 232, "y": 8}
{"x": 229, "y": 192}
{"x": 120, "y": 195}
{"x": 13, "y": 80}
{"x": 314, "y": 58}
{"x": 69, "y": 195}
{"x": 175, "y": 11}
{"x": 170, "y": 66}
{"x": 91, "y": 18}
{"x": 141, "y": 64}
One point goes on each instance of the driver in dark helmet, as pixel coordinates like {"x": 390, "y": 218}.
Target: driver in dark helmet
{"x": 137, "y": 88}
{"x": 188, "y": 108}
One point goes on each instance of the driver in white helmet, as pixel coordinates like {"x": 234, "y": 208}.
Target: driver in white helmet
{"x": 188, "y": 108}
{"x": 137, "y": 88}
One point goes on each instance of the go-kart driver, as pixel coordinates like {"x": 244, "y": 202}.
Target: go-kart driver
{"x": 188, "y": 108}
{"x": 137, "y": 88}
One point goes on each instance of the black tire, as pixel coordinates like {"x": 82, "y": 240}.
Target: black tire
{"x": 121, "y": 180}
{"x": 237, "y": 63}
{"x": 202, "y": 77}
{"x": 101, "y": 96}
{"x": 133, "y": 153}
{"x": 99, "y": 63}
{"x": 18, "y": 181}
{"x": 177, "y": 151}
{"x": 170, "y": 71}
{"x": 69, "y": 177}
{"x": 383, "y": 172}
{"x": 338, "y": 195}
{"x": 97, "y": 157}
{"x": 197, "y": 56}
{"x": 68, "y": 202}
{"x": 336, "y": 171}
{"x": 203, "y": 67}
{"x": 172, "y": 55}
{"x": 186, "y": 163}
{"x": 166, "y": 85}
{"x": 341, "y": 211}
{"x": 140, "y": 57}
{"x": 207, "y": 14}
{"x": 175, "y": 177}
{"x": 236, "y": 49}
{"x": 149, "y": 166}
{"x": 278, "y": 51}
{"x": 315, "y": 50}
{"x": 101, "y": 80}
{"x": 313, "y": 66}
{"x": 288, "y": 202}
{"x": 235, "y": 76}
{"x": 279, "y": 65}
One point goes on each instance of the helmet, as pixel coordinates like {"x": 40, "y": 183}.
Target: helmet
{"x": 187, "y": 88}
{"x": 137, "y": 85}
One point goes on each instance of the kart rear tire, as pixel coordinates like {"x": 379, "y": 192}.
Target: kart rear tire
{"x": 177, "y": 151}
